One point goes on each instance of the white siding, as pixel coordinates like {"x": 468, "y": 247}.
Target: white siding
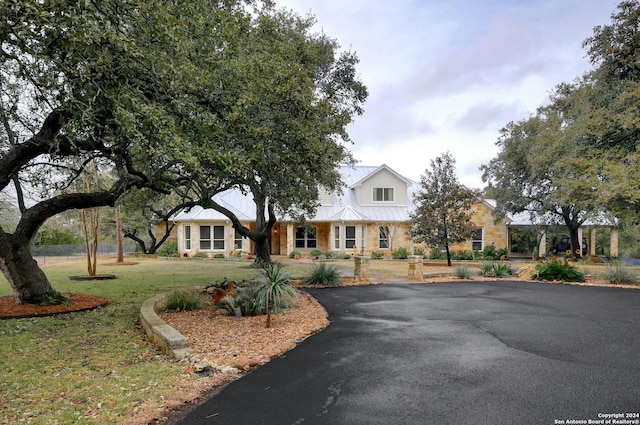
{"x": 324, "y": 197}
{"x": 383, "y": 178}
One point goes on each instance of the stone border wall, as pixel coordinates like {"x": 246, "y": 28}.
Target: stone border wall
{"x": 169, "y": 340}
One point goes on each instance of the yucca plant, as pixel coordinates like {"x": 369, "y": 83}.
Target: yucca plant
{"x": 486, "y": 268}
{"x": 501, "y": 270}
{"x": 274, "y": 291}
{"x": 322, "y": 274}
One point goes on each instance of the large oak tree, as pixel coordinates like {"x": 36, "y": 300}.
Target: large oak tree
{"x": 108, "y": 81}
{"x": 291, "y": 96}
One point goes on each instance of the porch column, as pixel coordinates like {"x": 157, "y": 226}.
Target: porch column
{"x": 290, "y": 236}
{"x": 580, "y": 240}
{"x": 542, "y": 247}
{"x": 614, "y": 242}
{"x": 592, "y": 241}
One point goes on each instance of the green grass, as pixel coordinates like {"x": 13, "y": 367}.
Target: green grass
{"x": 95, "y": 367}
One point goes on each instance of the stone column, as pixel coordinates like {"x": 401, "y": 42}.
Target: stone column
{"x": 361, "y": 267}
{"x": 416, "y": 267}
{"x": 614, "y": 242}
{"x": 592, "y": 241}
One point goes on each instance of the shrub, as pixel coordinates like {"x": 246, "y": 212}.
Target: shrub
{"x": 322, "y": 274}
{"x": 501, "y": 270}
{"x": 401, "y": 253}
{"x": 201, "y": 255}
{"x": 315, "y": 252}
{"x": 183, "y": 301}
{"x": 421, "y": 251}
{"x": 618, "y": 273}
{"x": 486, "y": 268}
{"x": 558, "y": 270}
{"x": 496, "y": 269}
{"x": 218, "y": 255}
{"x": 461, "y": 255}
{"x": 244, "y": 300}
{"x": 463, "y": 272}
{"x": 436, "y": 254}
{"x": 293, "y": 254}
{"x": 377, "y": 255}
{"x": 168, "y": 249}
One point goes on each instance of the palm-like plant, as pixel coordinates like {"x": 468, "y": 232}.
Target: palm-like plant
{"x": 274, "y": 291}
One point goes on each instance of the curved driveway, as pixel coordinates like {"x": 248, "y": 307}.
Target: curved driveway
{"x": 450, "y": 353}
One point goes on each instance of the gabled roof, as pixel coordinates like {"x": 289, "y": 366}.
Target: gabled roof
{"x": 376, "y": 170}
{"x": 348, "y": 213}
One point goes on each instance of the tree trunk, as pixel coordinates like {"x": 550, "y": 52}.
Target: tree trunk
{"x": 120, "y": 257}
{"x": 576, "y": 245}
{"x": 446, "y": 241}
{"x": 29, "y": 283}
{"x": 263, "y": 251}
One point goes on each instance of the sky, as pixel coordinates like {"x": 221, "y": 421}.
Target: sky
{"x": 448, "y": 75}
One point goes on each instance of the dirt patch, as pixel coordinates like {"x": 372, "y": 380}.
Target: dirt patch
{"x": 77, "y": 302}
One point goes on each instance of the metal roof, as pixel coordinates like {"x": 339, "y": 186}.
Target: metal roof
{"x": 344, "y": 207}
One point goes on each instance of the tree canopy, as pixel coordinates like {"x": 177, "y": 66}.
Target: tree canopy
{"x": 191, "y": 97}
{"x": 443, "y": 214}
{"x": 576, "y": 157}
{"x": 292, "y": 94}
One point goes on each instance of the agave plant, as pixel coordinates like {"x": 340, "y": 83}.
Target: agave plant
{"x": 274, "y": 291}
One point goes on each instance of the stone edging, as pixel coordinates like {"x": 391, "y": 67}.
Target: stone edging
{"x": 169, "y": 340}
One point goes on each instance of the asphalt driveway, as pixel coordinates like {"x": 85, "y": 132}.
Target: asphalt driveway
{"x": 451, "y": 353}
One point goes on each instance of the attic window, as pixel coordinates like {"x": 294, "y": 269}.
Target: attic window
{"x": 383, "y": 194}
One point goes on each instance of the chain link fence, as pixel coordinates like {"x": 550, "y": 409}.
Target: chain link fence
{"x": 48, "y": 254}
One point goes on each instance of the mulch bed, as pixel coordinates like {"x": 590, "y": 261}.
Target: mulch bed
{"x": 77, "y": 302}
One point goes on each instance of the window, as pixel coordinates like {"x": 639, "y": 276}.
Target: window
{"x": 384, "y": 237}
{"x": 349, "y": 237}
{"x": 237, "y": 239}
{"x": 205, "y": 237}
{"x": 218, "y": 237}
{"x": 336, "y": 237}
{"x": 476, "y": 243}
{"x": 306, "y": 237}
{"x": 383, "y": 194}
{"x": 187, "y": 237}
{"x": 207, "y": 242}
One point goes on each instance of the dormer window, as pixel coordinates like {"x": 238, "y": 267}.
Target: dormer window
{"x": 383, "y": 194}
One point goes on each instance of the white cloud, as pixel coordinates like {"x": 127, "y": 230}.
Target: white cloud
{"x": 447, "y": 76}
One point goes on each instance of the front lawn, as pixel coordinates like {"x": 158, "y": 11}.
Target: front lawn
{"x": 96, "y": 367}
